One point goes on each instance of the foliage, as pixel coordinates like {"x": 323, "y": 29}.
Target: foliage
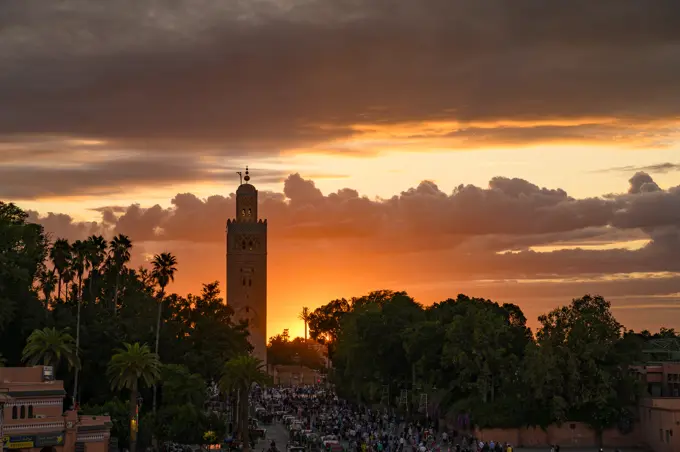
{"x": 23, "y": 248}
{"x": 179, "y": 423}
{"x": 181, "y": 386}
{"x": 324, "y": 323}
{"x": 117, "y": 409}
{"x": 47, "y": 284}
{"x": 480, "y": 358}
{"x": 283, "y": 351}
{"x": 240, "y": 374}
{"x": 304, "y": 316}
{"x": 132, "y": 363}
{"x": 49, "y": 346}
{"x": 40, "y": 287}
{"x": 129, "y": 366}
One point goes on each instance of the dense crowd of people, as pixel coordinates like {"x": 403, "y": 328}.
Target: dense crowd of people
{"x": 319, "y": 421}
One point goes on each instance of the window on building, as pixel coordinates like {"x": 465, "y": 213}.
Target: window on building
{"x": 250, "y": 282}
{"x": 244, "y": 281}
{"x": 243, "y": 212}
{"x": 30, "y": 411}
{"x": 23, "y": 412}
{"x": 250, "y": 245}
{"x": 250, "y": 212}
{"x": 14, "y": 412}
{"x": 668, "y": 436}
{"x": 243, "y": 244}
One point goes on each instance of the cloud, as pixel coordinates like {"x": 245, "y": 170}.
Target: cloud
{"x": 85, "y": 174}
{"x": 475, "y": 224}
{"x": 642, "y": 182}
{"x": 431, "y": 243}
{"x": 262, "y": 76}
{"x": 666, "y": 167}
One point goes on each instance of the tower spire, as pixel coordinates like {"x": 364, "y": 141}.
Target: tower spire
{"x": 247, "y": 178}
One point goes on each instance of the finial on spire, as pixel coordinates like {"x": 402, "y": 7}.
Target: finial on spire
{"x": 247, "y": 178}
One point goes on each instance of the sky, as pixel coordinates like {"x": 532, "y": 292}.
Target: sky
{"x": 523, "y": 151}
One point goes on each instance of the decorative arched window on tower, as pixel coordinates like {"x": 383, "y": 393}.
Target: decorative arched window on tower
{"x": 243, "y": 244}
{"x": 250, "y": 245}
{"x": 244, "y": 281}
{"x": 243, "y": 212}
{"x": 250, "y": 282}
{"x": 250, "y": 212}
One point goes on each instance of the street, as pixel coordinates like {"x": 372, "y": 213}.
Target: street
{"x": 275, "y": 432}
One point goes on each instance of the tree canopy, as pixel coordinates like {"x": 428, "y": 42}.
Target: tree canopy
{"x": 282, "y": 350}
{"x": 43, "y": 280}
{"x": 474, "y": 357}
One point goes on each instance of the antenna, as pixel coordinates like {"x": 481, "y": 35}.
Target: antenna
{"x": 240, "y": 175}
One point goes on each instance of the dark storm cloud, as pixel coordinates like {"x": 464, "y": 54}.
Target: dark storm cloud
{"x": 259, "y": 76}
{"x": 581, "y": 133}
{"x": 111, "y": 176}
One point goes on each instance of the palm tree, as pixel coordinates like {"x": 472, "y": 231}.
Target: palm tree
{"x": 126, "y": 368}
{"x": 240, "y": 373}
{"x": 68, "y": 276}
{"x": 48, "y": 282}
{"x": 96, "y": 255}
{"x": 60, "y": 254}
{"x": 304, "y": 316}
{"x": 119, "y": 255}
{"x": 164, "y": 268}
{"x": 50, "y": 346}
{"x": 79, "y": 263}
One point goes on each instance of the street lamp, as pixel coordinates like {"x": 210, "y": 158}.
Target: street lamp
{"x": 134, "y": 423}
{"x": 4, "y": 399}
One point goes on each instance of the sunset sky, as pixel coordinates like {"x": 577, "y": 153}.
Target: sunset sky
{"x": 524, "y": 151}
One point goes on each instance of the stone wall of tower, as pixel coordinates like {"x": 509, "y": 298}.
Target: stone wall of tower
{"x": 247, "y": 269}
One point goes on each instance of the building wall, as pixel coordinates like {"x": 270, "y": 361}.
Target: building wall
{"x": 42, "y": 401}
{"x": 49, "y": 426}
{"x": 570, "y": 434}
{"x": 660, "y": 422}
{"x": 247, "y": 268}
{"x": 294, "y": 375}
{"x": 662, "y": 379}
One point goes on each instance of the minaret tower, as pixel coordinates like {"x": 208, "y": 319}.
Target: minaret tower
{"x": 247, "y": 266}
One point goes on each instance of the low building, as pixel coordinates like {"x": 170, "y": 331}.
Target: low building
{"x": 659, "y": 413}
{"x": 661, "y": 379}
{"x": 34, "y": 418}
{"x": 660, "y": 419}
{"x": 294, "y": 375}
